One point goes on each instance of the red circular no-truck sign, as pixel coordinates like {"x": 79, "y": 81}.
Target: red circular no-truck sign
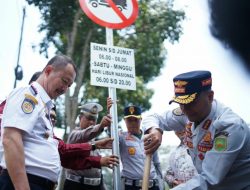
{"x": 116, "y": 14}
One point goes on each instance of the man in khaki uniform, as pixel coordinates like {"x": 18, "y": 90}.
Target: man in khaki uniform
{"x": 90, "y": 179}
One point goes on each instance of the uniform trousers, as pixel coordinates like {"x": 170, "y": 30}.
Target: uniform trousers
{"x": 6, "y": 183}
{"x": 72, "y": 185}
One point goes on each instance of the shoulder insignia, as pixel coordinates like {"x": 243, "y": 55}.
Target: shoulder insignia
{"x": 207, "y": 124}
{"x": 220, "y": 143}
{"x": 34, "y": 90}
{"x": 29, "y": 103}
{"x": 177, "y": 112}
{"x": 131, "y": 150}
{"x": 32, "y": 98}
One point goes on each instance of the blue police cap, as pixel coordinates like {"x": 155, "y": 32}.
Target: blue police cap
{"x": 188, "y": 85}
{"x": 132, "y": 111}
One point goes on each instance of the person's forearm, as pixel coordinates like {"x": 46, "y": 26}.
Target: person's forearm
{"x": 85, "y": 135}
{"x": 14, "y": 156}
{"x": 73, "y": 150}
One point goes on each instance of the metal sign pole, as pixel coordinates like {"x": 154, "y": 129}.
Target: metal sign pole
{"x": 114, "y": 125}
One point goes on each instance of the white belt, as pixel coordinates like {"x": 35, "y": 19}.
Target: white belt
{"x": 84, "y": 180}
{"x": 138, "y": 183}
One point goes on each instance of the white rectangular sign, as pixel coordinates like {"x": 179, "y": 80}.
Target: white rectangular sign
{"x": 112, "y": 66}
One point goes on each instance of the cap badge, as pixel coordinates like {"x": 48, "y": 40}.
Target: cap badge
{"x": 94, "y": 109}
{"x": 180, "y": 83}
{"x": 180, "y": 86}
{"x": 131, "y": 110}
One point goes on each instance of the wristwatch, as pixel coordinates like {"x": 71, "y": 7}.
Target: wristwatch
{"x": 93, "y": 146}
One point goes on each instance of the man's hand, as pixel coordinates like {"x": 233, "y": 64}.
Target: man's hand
{"x": 152, "y": 141}
{"x": 177, "y": 182}
{"x": 109, "y": 161}
{"x": 104, "y": 143}
{"x": 109, "y": 104}
{"x": 106, "y": 121}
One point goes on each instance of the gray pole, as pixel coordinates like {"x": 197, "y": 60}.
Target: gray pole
{"x": 114, "y": 125}
{"x": 19, "y": 46}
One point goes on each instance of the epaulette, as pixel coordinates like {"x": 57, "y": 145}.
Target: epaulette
{"x": 33, "y": 90}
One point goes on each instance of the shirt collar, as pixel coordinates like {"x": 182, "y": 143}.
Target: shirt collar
{"x": 43, "y": 94}
{"x": 209, "y": 117}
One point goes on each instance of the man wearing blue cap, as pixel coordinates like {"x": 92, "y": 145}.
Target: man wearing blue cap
{"x": 218, "y": 140}
{"x": 132, "y": 152}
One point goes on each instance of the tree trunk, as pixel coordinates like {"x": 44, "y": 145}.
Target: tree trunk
{"x": 71, "y": 103}
{"x": 68, "y": 100}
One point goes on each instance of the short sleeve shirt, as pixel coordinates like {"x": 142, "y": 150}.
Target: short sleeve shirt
{"x": 28, "y": 109}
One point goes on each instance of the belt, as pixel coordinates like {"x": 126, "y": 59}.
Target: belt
{"x": 138, "y": 183}
{"x": 43, "y": 182}
{"x": 84, "y": 180}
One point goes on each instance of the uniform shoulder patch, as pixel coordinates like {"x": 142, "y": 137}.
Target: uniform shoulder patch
{"x": 177, "y": 112}
{"x": 32, "y": 98}
{"x": 220, "y": 141}
{"x": 29, "y": 103}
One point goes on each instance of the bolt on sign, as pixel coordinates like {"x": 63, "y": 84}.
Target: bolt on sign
{"x": 112, "y": 66}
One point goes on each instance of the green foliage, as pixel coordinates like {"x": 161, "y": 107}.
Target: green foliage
{"x": 157, "y": 22}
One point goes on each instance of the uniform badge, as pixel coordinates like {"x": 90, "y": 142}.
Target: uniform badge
{"x": 189, "y": 144}
{"x": 207, "y": 124}
{"x": 206, "y": 143}
{"x": 131, "y": 110}
{"x": 46, "y": 134}
{"x": 131, "y": 150}
{"x": 201, "y": 156}
{"x": 220, "y": 143}
{"x": 177, "y": 112}
{"x": 207, "y": 137}
{"x": 28, "y": 104}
